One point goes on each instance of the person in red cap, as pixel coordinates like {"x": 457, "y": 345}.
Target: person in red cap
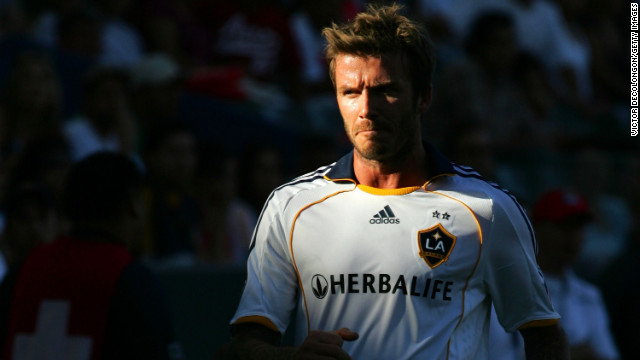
{"x": 559, "y": 217}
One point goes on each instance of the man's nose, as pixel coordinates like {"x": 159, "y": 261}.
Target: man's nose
{"x": 367, "y": 104}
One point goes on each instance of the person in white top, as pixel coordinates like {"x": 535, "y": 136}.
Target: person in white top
{"x": 392, "y": 252}
{"x": 560, "y": 217}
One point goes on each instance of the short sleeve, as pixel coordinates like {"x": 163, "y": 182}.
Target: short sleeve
{"x": 269, "y": 296}
{"x": 511, "y": 273}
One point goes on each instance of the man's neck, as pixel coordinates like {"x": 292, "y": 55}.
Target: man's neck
{"x": 406, "y": 172}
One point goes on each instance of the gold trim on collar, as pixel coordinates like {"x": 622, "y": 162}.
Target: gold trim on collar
{"x": 378, "y": 191}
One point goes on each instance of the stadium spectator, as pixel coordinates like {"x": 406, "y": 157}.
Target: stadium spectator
{"x": 106, "y": 121}
{"x": 261, "y": 170}
{"x": 45, "y": 163}
{"x": 84, "y": 294}
{"x": 30, "y": 110}
{"x": 609, "y": 50}
{"x": 255, "y": 36}
{"x": 46, "y": 18}
{"x": 482, "y": 87}
{"x": 170, "y": 156}
{"x": 30, "y": 219}
{"x": 557, "y": 125}
{"x": 306, "y": 23}
{"x": 174, "y": 28}
{"x": 605, "y": 237}
{"x": 157, "y": 82}
{"x": 226, "y": 221}
{"x": 559, "y": 218}
{"x": 121, "y": 43}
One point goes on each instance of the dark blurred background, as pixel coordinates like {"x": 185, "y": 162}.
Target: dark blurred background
{"x": 220, "y": 101}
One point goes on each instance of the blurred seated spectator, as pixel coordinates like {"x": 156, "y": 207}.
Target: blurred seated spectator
{"x": 261, "y": 171}
{"x": 540, "y": 29}
{"x": 174, "y": 28}
{"x": 609, "y": 50}
{"x": 170, "y": 157}
{"x": 83, "y": 296}
{"x": 30, "y": 105}
{"x": 121, "y": 43}
{"x": 30, "y": 219}
{"x": 471, "y": 144}
{"x": 227, "y": 222}
{"x": 605, "y": 237}
{"x": 75, "y": 54}
{"x": 255, "y": 36}
{"x": 483, "y": 87}
{"x": 13, "y": 18}
{"x": 318, "y": 95}
{"x": 557, "y": 125}
{"x": 47, "y": 15}
{"x": 97, "y": 28}
{"x": 559, "y": 217}
{"x": 158, "y": 84}
{"x": 577, "y": 61}
{"x": 106, "y": 121}
{"x": 44, "y": 163}
{"x": 437, "y": 17}
{"x": 78, "y": 33}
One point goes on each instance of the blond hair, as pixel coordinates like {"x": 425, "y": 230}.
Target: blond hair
{"x": 383, "y": 30}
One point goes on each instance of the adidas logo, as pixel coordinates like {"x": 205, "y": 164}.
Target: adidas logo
{"x": 385, "y": 216}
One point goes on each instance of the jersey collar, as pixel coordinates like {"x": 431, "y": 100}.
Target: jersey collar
{"x": 437, "y": 165}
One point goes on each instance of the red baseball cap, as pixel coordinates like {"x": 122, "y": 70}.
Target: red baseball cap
{"x": 560, "y": 204}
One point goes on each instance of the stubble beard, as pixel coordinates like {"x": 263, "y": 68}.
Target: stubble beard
{"x": 393, "y": 150}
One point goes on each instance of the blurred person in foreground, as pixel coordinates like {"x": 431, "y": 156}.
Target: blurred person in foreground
{"x": 30, "y": 218}
{"x": 559, "y": 218}
{"x": 392, "y": 252}
{"x": 83, "y": 296}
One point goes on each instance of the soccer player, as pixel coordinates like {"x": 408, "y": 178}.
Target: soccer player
{"x": 392, "y": 252}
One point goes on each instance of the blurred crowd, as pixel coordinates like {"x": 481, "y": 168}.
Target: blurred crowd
{"x": 219, "y": 102}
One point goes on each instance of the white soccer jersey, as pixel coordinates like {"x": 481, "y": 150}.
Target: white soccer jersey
{"x": 412, "y": 270}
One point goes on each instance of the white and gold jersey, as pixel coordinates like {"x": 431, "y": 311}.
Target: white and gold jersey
{"x": 413, "y": 270}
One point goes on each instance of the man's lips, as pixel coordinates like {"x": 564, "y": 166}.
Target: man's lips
{"x": 372, "y": 129}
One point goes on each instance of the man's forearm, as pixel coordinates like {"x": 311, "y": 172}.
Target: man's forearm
{"x": 249, "y": 349}
{"x": 545, "y": 343}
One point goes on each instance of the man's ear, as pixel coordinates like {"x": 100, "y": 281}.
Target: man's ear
{"x": 424, "y": 100}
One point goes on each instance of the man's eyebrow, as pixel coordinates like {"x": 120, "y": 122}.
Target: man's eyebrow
{"x": 387, "y": 85}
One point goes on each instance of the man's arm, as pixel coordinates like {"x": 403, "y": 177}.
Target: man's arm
{"x": 254, "y": 341}
{"x": 545, "y": 343}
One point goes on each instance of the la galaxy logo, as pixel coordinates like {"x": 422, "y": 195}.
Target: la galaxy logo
{"x": 435, "y": 245}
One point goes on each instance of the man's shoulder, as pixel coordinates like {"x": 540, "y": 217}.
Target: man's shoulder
{"x": 470, "y": 184}
{"x": 486, "y": 198}
{"x": 309, "y": 182}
